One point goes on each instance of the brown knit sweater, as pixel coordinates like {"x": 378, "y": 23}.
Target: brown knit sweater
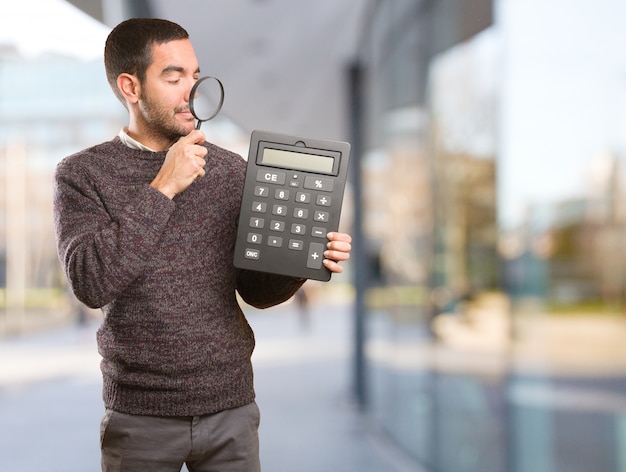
{"x": 174, "y": 340}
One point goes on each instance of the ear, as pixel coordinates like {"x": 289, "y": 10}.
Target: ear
{"x": 129, "y": 87}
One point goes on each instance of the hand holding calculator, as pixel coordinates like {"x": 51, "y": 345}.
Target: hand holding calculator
{"x": 292, "y": 199}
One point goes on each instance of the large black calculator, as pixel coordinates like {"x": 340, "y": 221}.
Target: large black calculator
{"x": 291, "y": 200}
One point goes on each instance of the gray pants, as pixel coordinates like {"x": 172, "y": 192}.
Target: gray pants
{"x": 223, "y": 442}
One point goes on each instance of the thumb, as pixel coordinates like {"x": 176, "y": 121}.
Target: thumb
{"x": 195, "y": 137}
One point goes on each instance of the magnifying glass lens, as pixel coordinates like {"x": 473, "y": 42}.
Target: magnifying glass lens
{"x": 206, "y": 99}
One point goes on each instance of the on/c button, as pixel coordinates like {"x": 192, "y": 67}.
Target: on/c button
{"x": 253, "y": 254}
{"x": 316, "y": 256}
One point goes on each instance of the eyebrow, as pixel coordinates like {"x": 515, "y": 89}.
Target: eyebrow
{"x": 170, "y": 69}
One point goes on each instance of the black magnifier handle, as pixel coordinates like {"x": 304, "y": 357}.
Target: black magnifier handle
{"x": 199, "y": 101}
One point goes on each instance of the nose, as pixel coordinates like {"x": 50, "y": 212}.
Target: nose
{"x": 189, "y": 87}
{"x": 188, "y": 91}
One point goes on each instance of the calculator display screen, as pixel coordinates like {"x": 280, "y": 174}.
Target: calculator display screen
{"x": 298, "y": 160}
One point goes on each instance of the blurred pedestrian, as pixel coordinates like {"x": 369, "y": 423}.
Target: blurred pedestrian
{"x": 145, "y": 226}
{"x": 302, "y": 300}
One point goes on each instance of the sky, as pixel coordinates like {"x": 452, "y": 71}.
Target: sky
{"x": 36, "y": 27}
{"x": 544, "y": 92}
{"x": 563, "y": 99}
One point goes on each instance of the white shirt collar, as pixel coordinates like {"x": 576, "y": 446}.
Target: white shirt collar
{"x": 132, "y": 143}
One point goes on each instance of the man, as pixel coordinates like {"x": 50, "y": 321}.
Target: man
{"x": 146, "y": 225}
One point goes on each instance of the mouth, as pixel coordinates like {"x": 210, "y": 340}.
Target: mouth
{"x": 185, "y": 113}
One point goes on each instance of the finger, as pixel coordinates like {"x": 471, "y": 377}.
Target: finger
{"x": 195, "y": 137}
{"x": 339, "y": 246}
{"x": 200, "y": 151}
{"x": 337, "y": 256}
{"x": 199, "y": 164}
{"x": 332, "y": 266}
{"x": 338, "y": 250}
{"x": 334, "y": 236}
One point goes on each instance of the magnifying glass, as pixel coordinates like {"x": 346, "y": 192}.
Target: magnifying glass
{"x": 206, "y": 99}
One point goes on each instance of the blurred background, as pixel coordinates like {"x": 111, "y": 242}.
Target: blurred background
{"x": 480, "y": 325}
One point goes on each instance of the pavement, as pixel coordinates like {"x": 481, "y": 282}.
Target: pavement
{"x": 50, "y": 398}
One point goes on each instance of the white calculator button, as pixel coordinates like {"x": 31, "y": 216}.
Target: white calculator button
{"x": 314, "y": 182}
{"x": 280, "y": 210}
{"x": 277, "y": 226}
{"x": 259, "y": 207}
{"x": 275, "y": 241}
{"x": 253, "y": 254}
{"x": 321, "y": 216}
{"x": 298, "y": 229}
{"x": 322, "y": 200}
{"x": 281, "y": 194}
{"x": 270, "y": 177}
{"x": 302, "y": 197}
{"x": 260, "y": 191}
{"x": 300, "y": 213}
{"x": 316, "y": 256}
{"x": 318, "y": 232}
{"x": 255, "y": 238}
{"x": 257, "y": 222}
{"x": 296, "y": 244}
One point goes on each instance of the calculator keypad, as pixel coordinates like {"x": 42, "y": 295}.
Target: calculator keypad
{"x": 292, "y": 215}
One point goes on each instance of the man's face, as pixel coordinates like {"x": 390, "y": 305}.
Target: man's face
{"x": 164, "y": 98}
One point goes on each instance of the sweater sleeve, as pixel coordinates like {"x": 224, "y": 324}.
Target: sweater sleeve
{"x": 102, "y": 255}
{"x": 263, "y": 290}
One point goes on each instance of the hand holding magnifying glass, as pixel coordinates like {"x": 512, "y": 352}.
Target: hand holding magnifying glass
{"x": 206, "y": 99}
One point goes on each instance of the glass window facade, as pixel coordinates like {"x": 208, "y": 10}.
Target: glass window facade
{"x": 493, "y": 179}
{"x": 50, "y": 107}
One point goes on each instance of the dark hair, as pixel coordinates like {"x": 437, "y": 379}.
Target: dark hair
{"x": 128, "y": 48}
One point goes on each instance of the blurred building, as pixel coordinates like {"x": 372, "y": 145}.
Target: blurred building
{"x": 50, "y": 107}
{"x": 495, "y": 303}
